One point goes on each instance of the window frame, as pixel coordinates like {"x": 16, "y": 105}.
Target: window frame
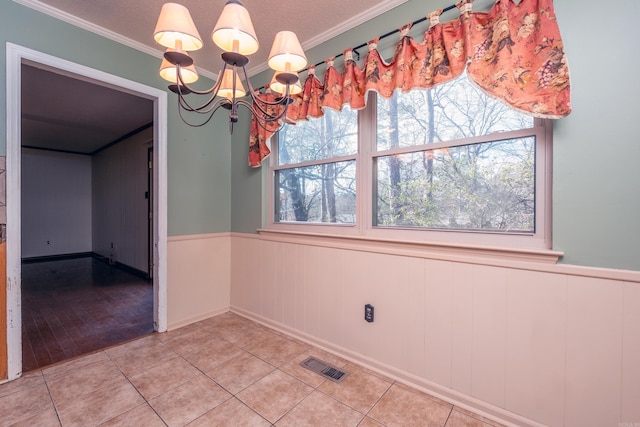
{"x": 364, "y": 227}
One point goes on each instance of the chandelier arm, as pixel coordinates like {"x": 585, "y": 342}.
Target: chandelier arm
{"x": 262, "y": 104}
{"x": 202, "y": 109}
{"x": 247, "y": 80}
{"x": 263, "y": 126}
{"x": 284, "y": 101}
{"x": 260, "y": 108}
{"x": 253, "y": 93}
{"x": 213, "y": 89}
{"x": 211, "y": 112}
{"x": 279, "y": 101}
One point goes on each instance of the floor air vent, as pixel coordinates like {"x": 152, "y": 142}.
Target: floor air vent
{"x": 324, "y": 369}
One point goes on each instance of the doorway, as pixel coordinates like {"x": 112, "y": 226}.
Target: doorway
{"x": 16, "y": 57}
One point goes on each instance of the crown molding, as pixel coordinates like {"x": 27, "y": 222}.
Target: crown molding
{"x": 101, "y": 31}
{"x": 338, "y": 29}
{"x": 86, "y": 25}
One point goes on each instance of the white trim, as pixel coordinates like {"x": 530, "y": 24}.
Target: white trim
{"x": 460, "y": 252}
{"x": 14, "y": 310}
{"x": 520, "y": 259}
{"x": 352, "y": 22}
{"x": 188, "y": 237}
{"x": 198, "y": 318}
{"x": 338, "y": 29}
{"x": 160, "y": 258}
{"x": 15, "y": 55}
{"x": 86, "y": 25}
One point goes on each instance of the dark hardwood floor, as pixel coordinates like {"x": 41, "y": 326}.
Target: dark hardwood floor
{"x": 76, "y": 306}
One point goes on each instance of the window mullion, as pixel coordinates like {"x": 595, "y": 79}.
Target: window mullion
{"x": 272, "y": 204}
{"x": 336, "y": 159}
{"x": 492, "y": 137}
{"x": 364, "y": 165}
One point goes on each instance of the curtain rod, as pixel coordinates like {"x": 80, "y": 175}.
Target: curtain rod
{"x": 360, "y": 46}
{"x": 390, "y": 33}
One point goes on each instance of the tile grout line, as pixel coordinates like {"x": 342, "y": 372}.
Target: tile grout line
{"x": 378, "y": 401}
{"x": 297, "y": 404}
{"x": 55, "y": 407}
{"x": 232, "y": 395}
{"x": 448, "y": 416}
{"x": 146, "y": 402}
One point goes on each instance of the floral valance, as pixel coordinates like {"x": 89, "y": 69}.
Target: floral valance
{"x": 513, "y": 52}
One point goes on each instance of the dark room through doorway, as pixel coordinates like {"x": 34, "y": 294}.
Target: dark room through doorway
{"x": 86, "y": 216}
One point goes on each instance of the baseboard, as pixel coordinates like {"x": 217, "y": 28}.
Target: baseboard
{"x": 61, "y": 257}
{"x": 121, "y": 266}
{"x": 461, "y": 400}
{"x": 198, "y": 318}
{"x": 58, "y": 257}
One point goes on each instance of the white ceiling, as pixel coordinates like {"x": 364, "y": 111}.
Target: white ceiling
{"x": 71, "y": 124}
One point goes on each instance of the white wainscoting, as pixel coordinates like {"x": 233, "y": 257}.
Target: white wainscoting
{"x": 558, "y": 345}
{"x": 199, "y": 277}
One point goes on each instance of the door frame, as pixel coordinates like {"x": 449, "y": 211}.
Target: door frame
{"x": 15, "y": 56}
{"x": 150, "y": 212}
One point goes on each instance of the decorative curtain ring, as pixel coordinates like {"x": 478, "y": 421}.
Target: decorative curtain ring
{"x": 348, "y": 55}
{"x": 465, "y": 6}
{"x": 434, "y": 18}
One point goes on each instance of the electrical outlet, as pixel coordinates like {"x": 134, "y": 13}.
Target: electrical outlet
{"x": 368, "y": 313}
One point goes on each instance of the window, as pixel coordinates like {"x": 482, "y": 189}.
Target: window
{"x": 449, "y": 164}
{"x": 316, "y": 177}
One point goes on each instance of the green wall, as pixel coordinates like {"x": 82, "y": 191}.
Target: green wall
{"x": 596, "y": 178}
{"x": 596, "y": 181}
{"x": 246, "y": 190}
{"x": 199, "y": 180}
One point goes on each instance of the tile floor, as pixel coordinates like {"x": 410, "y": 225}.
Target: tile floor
{"x": 226, "y": 370}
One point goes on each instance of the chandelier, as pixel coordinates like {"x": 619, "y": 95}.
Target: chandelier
{"x": 234, "y": 34}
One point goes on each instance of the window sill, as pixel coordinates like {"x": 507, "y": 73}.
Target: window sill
{"x": 476, "y": 254}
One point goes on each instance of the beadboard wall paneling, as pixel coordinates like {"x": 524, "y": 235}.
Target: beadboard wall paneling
{"x": 524, "y": 346}
{"x": 199, "y": 275}
{"x": 631, "y": 352}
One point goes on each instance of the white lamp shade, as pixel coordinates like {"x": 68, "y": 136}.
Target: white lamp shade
{"x": 175, "y": 28}
{"x": 234, "y": 25}
{"x": 286, "y": 53}
{"x": 226, "y": 87}
{"x": 280, "y": 88}
{"x": 168, "y": 72}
